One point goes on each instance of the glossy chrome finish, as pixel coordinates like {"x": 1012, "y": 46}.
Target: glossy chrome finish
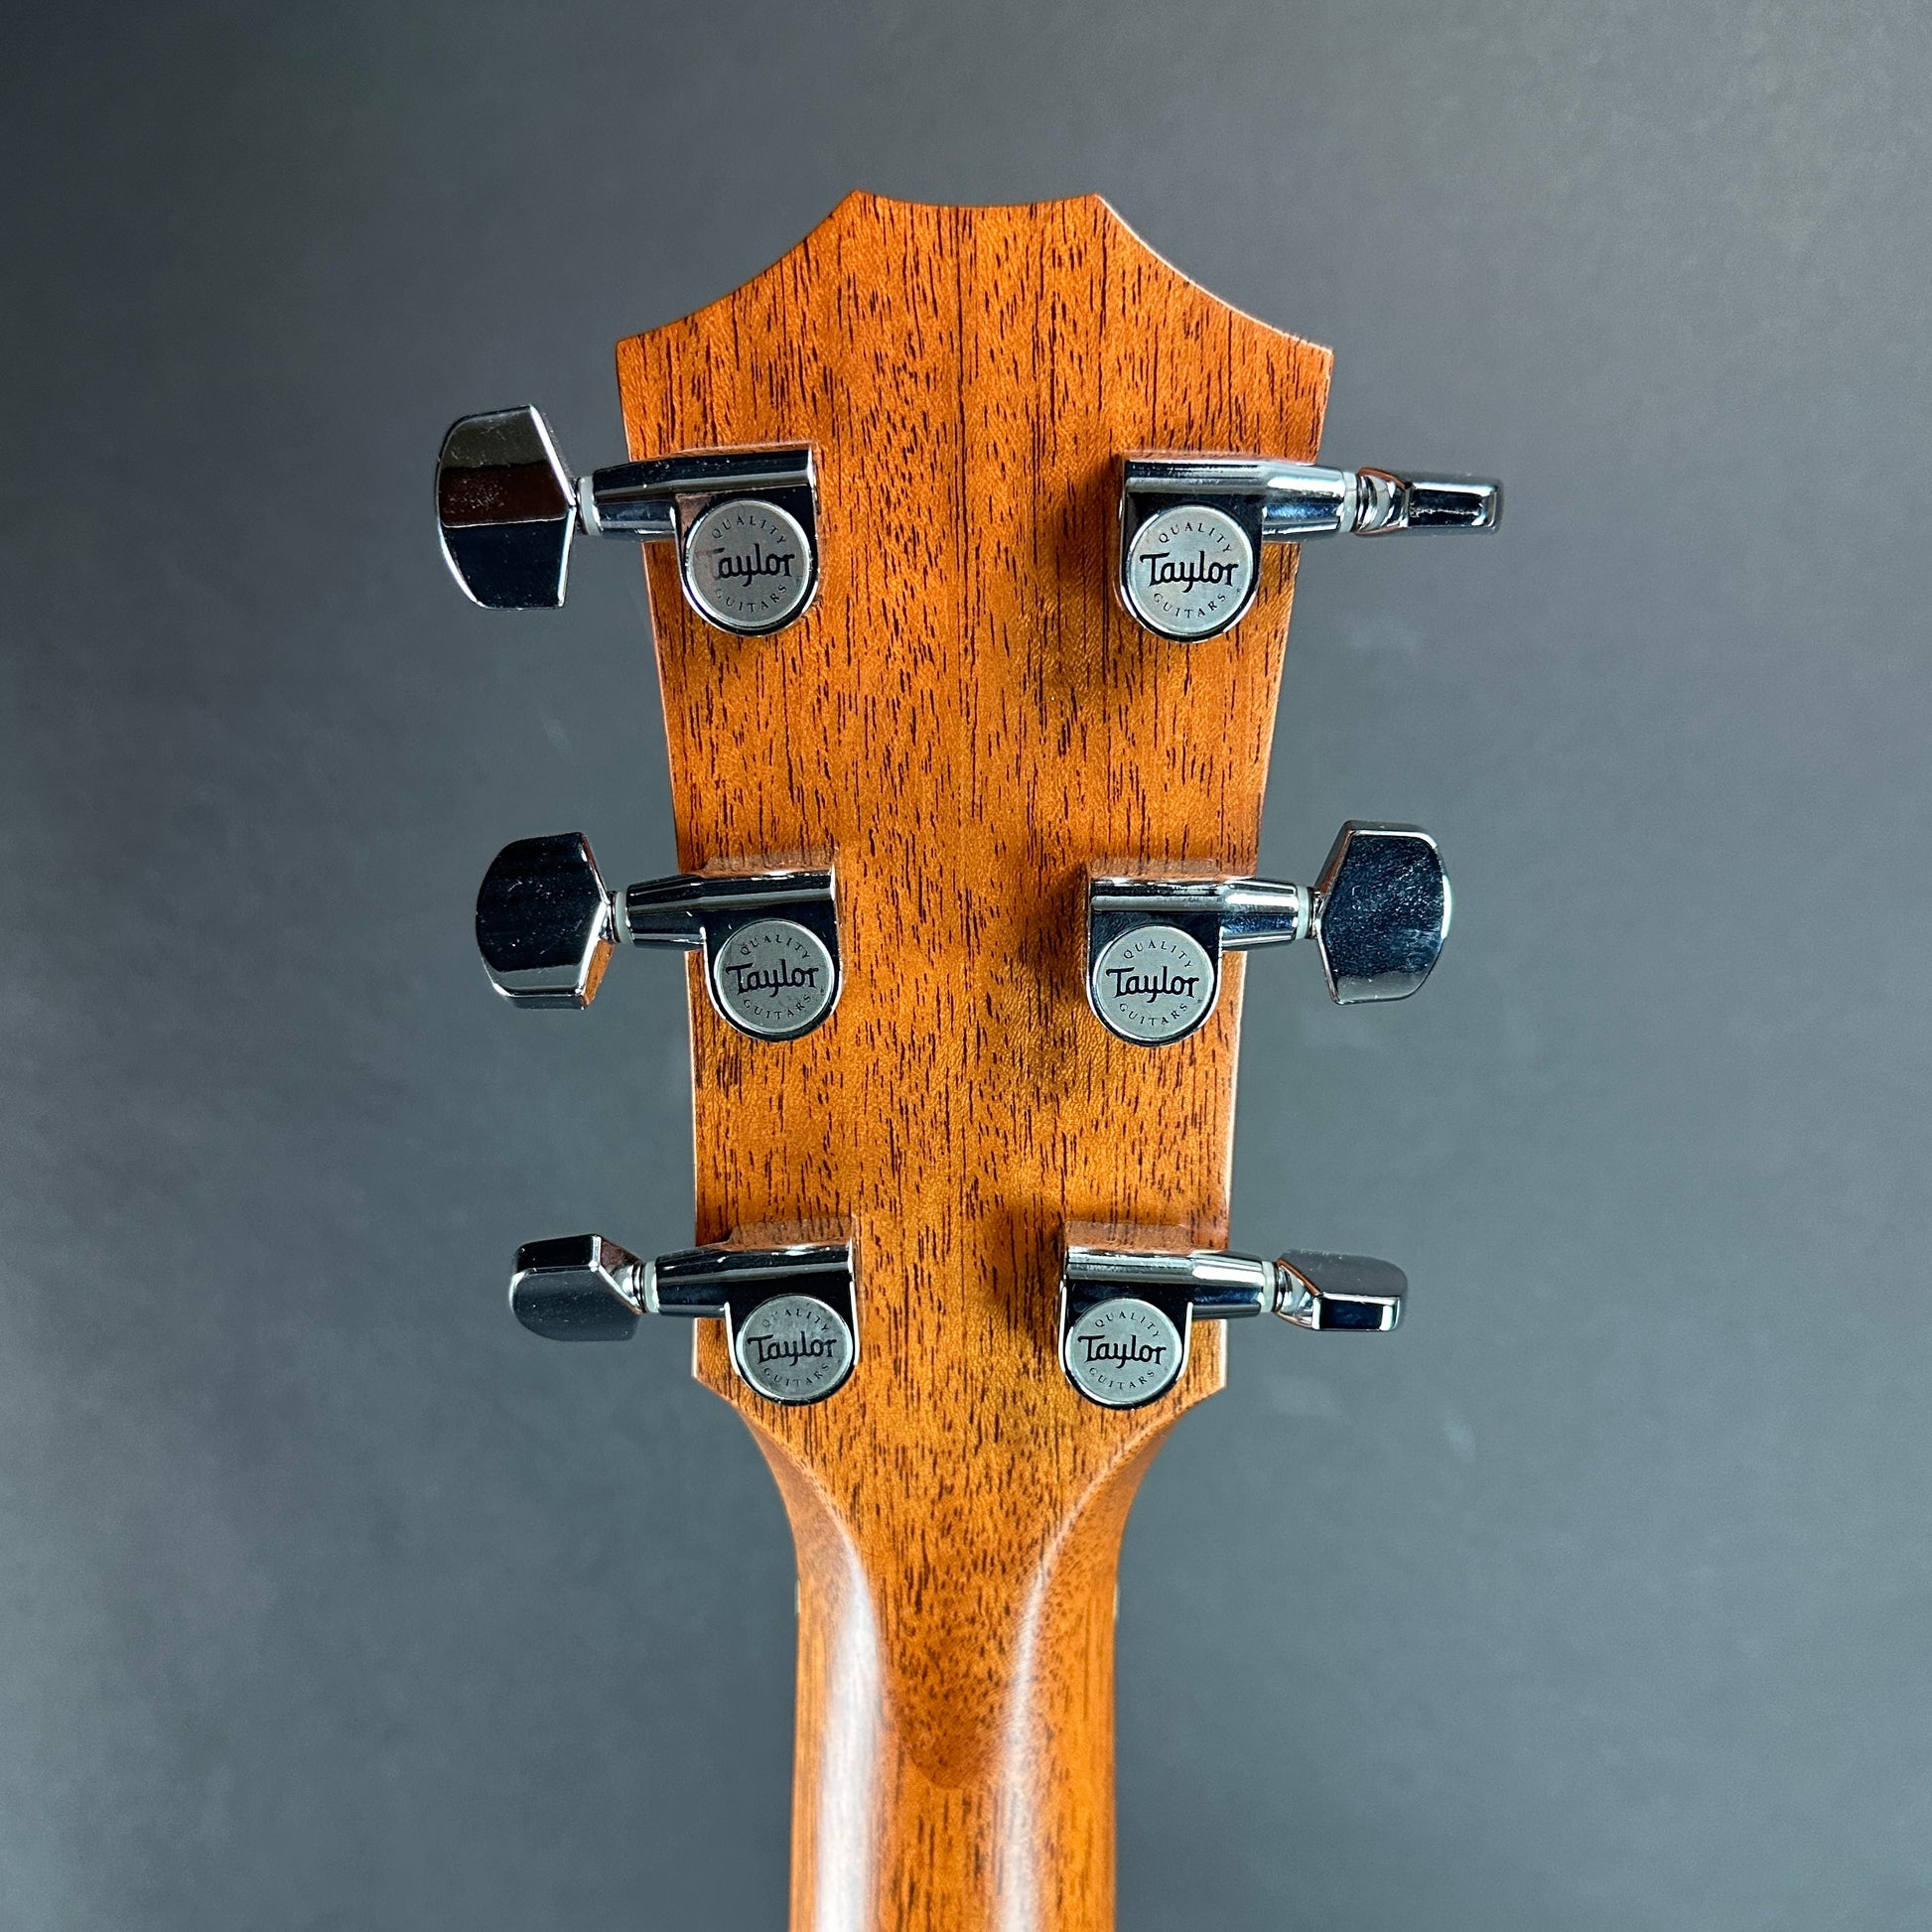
{"x": 1348, "y": 1294}
{"x": 791, "y": 1312}
{"x": 748, "y": 565}
{"x": 1123, "y": 1353}
{"x": 771, "y": 942}
{"x": 1218, "y": 1286}
{"x": 708, "y": 1281}
{"x": 1379, "y": 914}
{"x": 1155, "y": 945}
{"x": 745, "y": 520}
{"x": 581, "y": 1288}
{"x": 1126, "y": 1314}
{"x": 1386, "y": 503}
{"x": 1190, "y": 527}
{"x": 1246, "y": 911}
{"x": 506, "y": 508}
{"x": 1188, "y": 570}
{"x": 547, "y": 925}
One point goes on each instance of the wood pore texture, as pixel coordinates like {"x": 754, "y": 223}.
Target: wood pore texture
{"x": 967, "y": 721}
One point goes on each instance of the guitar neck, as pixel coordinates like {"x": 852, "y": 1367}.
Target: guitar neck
{"x": 954, "y": 1764}
{"x": 971, "y": 536}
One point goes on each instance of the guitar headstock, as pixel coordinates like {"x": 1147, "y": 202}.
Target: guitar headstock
{"x": 982, "y": 531}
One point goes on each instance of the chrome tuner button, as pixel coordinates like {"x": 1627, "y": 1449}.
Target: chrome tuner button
{"x": 1381, "y": 908}
{"x": 506, "y": 508}
{"x": 1127, "y": 1313}
{"x": 547, "y": 925}
{"x": 581, "y": 1288}
{"x": 1379, "y": 914}
{"x": 545, "y": 922}
{"x": 1346, "y": 1294}
{"x": 744, "y": 522}
{"x": 1190, "y": 527}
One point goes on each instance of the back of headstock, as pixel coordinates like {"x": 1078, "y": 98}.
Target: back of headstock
{"x": 969, "y": 636}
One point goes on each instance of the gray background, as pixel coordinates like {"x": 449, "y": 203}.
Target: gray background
{"x": 1599, "y": 1598}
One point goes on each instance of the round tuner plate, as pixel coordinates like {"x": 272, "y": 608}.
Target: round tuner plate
{"x": 1152, "y": 985}
{"x": 748, "y": 565}
{"x": 1122, "y": 1353}
{"x": 1190, "y": 571}
{"x": 793, "y": 1349}
{"x": 775, "y": 978}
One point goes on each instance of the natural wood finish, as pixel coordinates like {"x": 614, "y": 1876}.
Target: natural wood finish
{"x": 967, "y": 720}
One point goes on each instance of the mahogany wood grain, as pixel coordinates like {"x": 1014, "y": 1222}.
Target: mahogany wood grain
{"x": 966, "y": 719}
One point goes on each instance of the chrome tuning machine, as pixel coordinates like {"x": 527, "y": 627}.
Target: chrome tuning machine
{"x": 744, "y": 522}
{"x": 1191, "y": 527}
{"x": 791, "y": 1312}
{"x": 547, "y": 925}
{"x": 1127, "y": 1315}
{"x": 1378, "y": 913}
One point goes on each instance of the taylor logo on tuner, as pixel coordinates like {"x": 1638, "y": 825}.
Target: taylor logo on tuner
{"x": 748, "y": 565}
{"x": 1186, "y": 572}
{"x": 794, "y": 1349}
{"x": 1160, "y": 985}
{"x": 784, "y": 977}
{"x": 1190, "y": 570}
{"x": 1154, "y": 983}
{"x": 1122, "y": 1353}
{"x": 1125, "y": 1354}
{"x": 775, "y": 978}
{"x": 748, "y": 569}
